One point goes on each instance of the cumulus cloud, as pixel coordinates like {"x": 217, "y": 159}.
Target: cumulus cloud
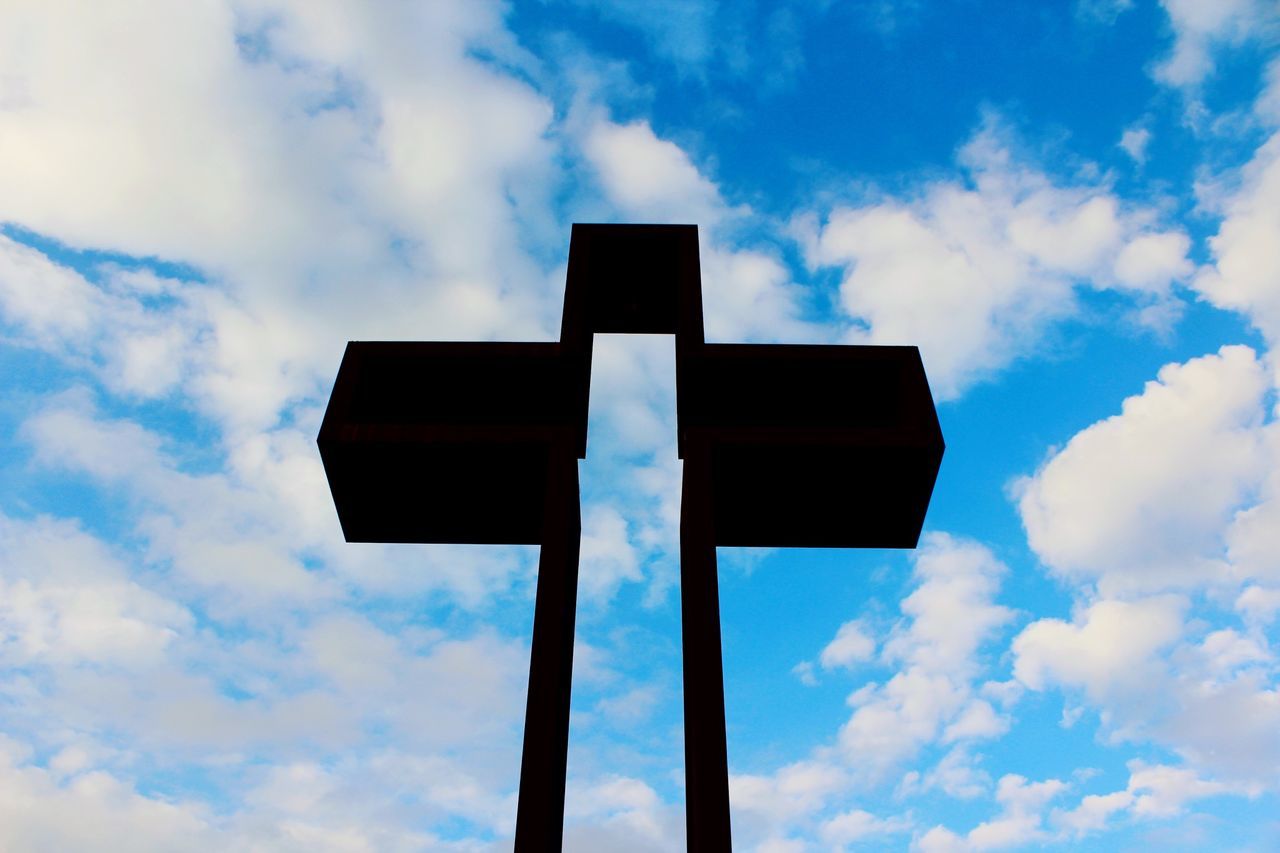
{"x": 1142, "y": 499}
{"x": 1108, "y": 647}
{"x": 1245, "y": 273}
{"x": 1148, "y": 513}
{"x": 974, "y": 272}
{"x": 946, "y": 619}
{"x": 1210, "y": 699}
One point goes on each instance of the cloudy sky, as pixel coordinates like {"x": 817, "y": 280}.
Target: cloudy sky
{"x": 1071, "y": 207}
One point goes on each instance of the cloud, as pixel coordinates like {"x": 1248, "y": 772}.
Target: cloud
{"x": 65, "y": 599}
{"x": 1146, "y": 512}
{"x": 1141, "y": 500}
{"x": 946, "y": 619}
{"x": 619, "y": 813}
{"x": 38, "y": 810}
{"x": 1154, "y": 792}
{"x": 792, "y": 792}
{"x": 138, "y": 332}
{"x": 1212, "y": 701}
{"x": 852, "y": 645}
{"x": 857, "y": 825}
{"x": 1134, "y": 141}
{"x": 607, "y": 557}
{"x": 930, "y": 700}
{"x": 1108, "y": 647}
{"x": 956, "y": 775}
{"x": 1259, "y": 604}
{"x": 1020, "y": 821}
{"x": 975, "y": 271}
{"x": 649, "y": 176}
{"x": 315, "y": 183}
{"x": 1245, "y": 273}
{"x": 1201, "y": 29}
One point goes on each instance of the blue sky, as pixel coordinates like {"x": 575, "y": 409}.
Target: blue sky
{"x": 1072, "y": 208}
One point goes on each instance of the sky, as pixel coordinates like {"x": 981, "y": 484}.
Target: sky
{"x": 1072, "y": 207}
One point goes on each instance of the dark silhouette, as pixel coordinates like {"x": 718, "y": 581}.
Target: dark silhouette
{"x": 783, "y": 445}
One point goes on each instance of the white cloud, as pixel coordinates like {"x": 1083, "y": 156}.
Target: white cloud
{"x": 977, "y": 720}
{"x": 1210, "y": 701}
{"x": 51, "y": 303}
{"x": 973, "y": 272}
{"x": 956, "y": 775}
{"x": 1245, "y": 274}
{"x": 1020, "y": 821}
{"x": 1151, "y": 261}
{"x": 133, "y": 350}
{"x": 619, "y": 813}
{"x": 1141, "y": 500}
{"x": 1200, "y": 29}
{"x": 1108, "y": 646}
{"x": 91, "y": 811}
{"x": 607, "y": 558}
{"x": 1092, "y": 813}
{"x": 748, "y": 295}
{"x": 1134, "y": 141}
{"x": 1267, "y": 107}
{"x": 852, "y": 645}
{"x": 1154, "y": 792}
{"x": 857, "y": 825}
{"x": 66, "y": 600}
{"x": 1259, "y": 604}
{"x": 275, "y": 152}
{"x": 948, "y": 616}
{"x": 1162, "y": 791}
{"x": 793, "y": 791}
{"x": 649, "y": 176}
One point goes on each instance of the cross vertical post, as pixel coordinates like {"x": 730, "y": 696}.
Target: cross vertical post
{"x": 706, "y": 762}
{"x": 540, "y": 812}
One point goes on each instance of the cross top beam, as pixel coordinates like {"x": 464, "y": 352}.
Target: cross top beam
{"x": 783, "y": 445}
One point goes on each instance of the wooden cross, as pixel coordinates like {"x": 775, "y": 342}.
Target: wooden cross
{"x": 783, "y": 445}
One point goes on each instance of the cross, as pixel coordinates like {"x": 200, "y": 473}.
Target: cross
{"x": 783, "y": 445}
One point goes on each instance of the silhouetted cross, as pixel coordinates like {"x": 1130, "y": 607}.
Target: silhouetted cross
{"x": 783, "y": 445}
